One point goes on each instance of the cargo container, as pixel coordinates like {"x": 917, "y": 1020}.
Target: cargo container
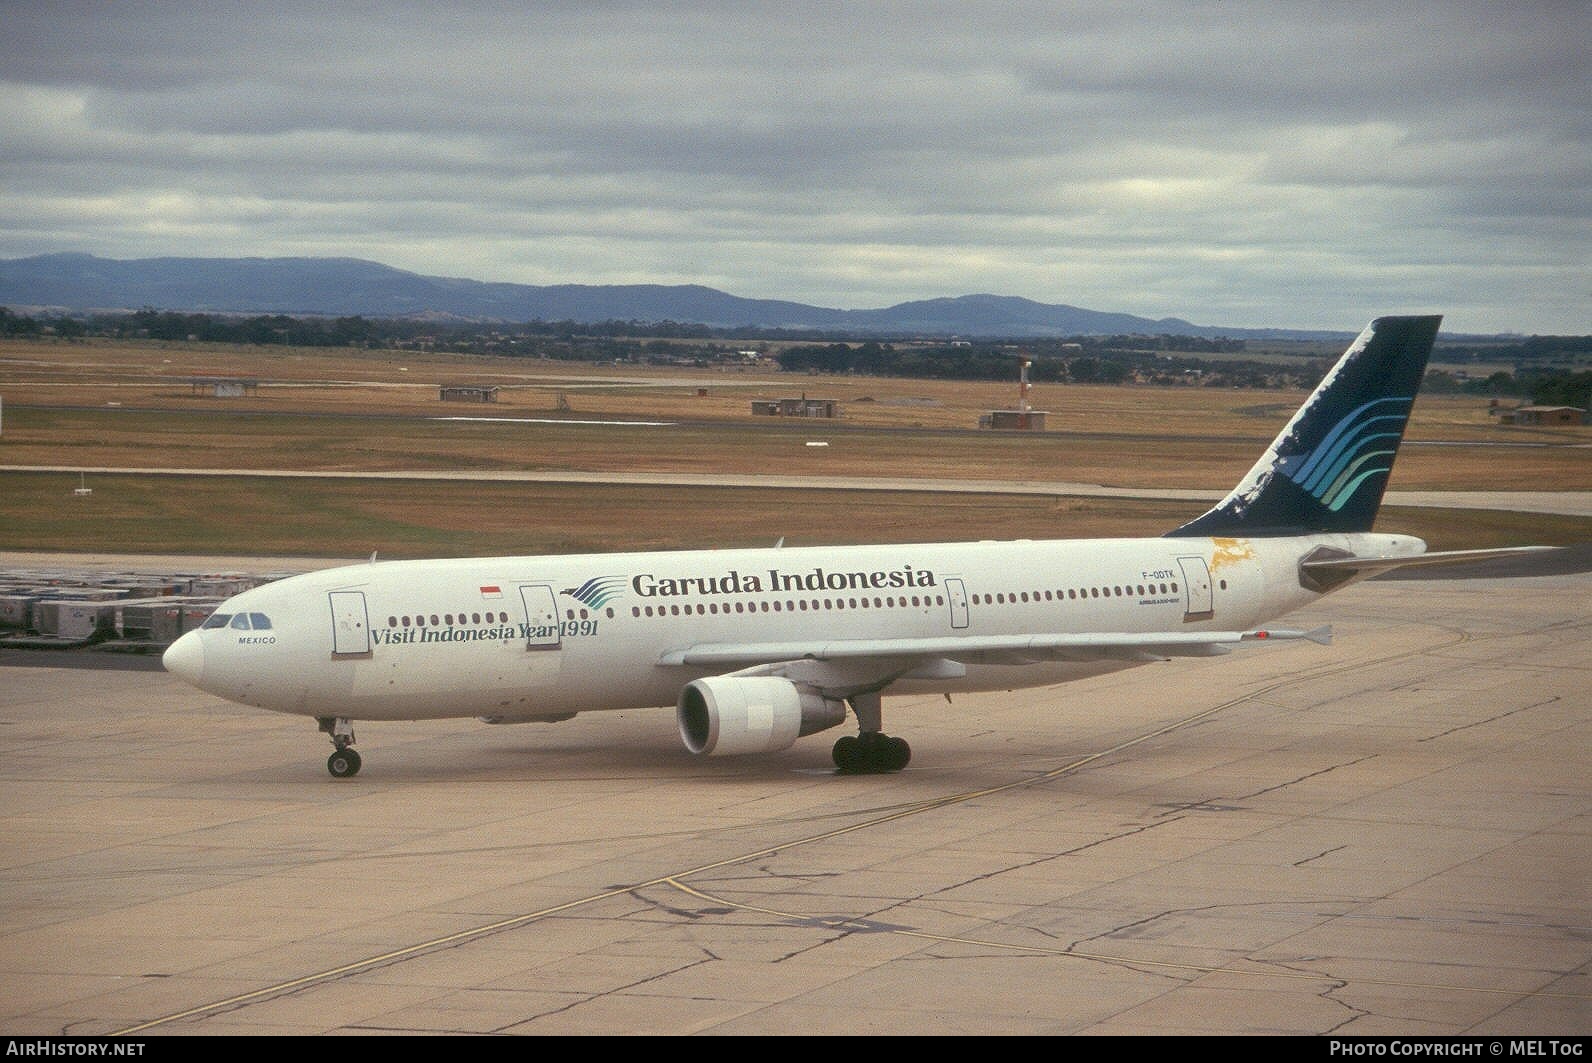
{"x": 135, "y": 617}
{"x": 165, "y": 621}
{"x": 220, "y": 586}
{"x": 76, "y": 619}
{"x": 16, "y": 610}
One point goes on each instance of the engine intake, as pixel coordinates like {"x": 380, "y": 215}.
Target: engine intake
{"x": 725, "y": 715}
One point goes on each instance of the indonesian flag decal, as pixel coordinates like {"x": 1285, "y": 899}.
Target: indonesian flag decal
{"x": 491, "y": 591}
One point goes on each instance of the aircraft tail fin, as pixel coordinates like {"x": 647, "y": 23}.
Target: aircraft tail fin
{"x": 1328, "y": 467}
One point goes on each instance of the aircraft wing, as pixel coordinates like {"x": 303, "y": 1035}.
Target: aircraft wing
{"x": 993, "y": 649}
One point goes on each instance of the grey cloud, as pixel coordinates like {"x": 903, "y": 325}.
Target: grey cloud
{"x": 1240, "y": 164}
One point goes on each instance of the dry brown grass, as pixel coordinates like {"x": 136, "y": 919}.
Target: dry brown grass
{"x": 1120, "y": 436}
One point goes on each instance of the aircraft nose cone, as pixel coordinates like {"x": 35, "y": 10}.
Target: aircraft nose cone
{"x": 185, "y": 658}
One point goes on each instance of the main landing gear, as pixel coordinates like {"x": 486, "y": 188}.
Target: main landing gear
{"x": 344, "y": 761}
{"x": 870, "y": 751}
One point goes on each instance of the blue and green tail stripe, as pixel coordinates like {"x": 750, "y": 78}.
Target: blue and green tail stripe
{"x": 1359, "y": 448}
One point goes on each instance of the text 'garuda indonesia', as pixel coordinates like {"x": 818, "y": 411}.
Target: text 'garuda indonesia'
{"x": 646, "y": 585}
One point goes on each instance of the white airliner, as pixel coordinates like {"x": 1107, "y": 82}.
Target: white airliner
{"x": 757, "y": 648}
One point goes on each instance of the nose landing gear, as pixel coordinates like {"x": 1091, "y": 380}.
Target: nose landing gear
{"x": 344, "y": 761}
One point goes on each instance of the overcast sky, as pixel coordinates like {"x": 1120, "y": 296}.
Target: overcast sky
{"x": 1247, "y": 164}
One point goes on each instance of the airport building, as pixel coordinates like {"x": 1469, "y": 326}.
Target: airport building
{"x": 799, "y": 407}
{"x": 1543, "y": 415}
{"x": 224, "y": 387}
{"x": 1014, "y": 420}
{"x": 1022, "y": 418}
{"x": 468, "y": 393}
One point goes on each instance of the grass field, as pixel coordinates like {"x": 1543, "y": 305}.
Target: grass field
{"x": 135, "y": 406}
{"x": 165, "y": 515}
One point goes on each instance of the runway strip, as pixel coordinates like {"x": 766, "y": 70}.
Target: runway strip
{"x": 1563, "y": 503}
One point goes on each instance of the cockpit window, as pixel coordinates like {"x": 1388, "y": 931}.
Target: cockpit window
{"x": 216, "y": 620}
{"x": 260, "y": 621}
{"x": 240, "y": 622}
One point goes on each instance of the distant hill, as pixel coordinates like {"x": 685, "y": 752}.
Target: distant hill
{"x": 349, "y": 286}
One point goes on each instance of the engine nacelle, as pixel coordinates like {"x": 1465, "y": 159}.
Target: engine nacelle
{"x": 726, "y": 715}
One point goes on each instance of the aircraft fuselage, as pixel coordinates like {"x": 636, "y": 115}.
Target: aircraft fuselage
{"x": 513, "y": 638}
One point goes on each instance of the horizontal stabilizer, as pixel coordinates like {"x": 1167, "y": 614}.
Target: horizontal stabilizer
{"x": 1339, "y": 569}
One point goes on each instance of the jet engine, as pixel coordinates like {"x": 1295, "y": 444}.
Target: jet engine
{"x": 724, "y": 715}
